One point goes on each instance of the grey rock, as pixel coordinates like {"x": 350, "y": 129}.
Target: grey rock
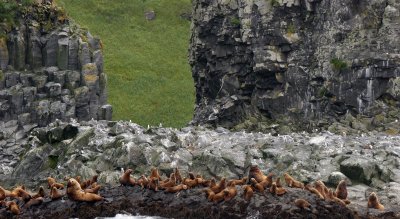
{"x": 335, "y": 177}
{"x": 53, "y": 89}
{"x": 3, "y": 54}
{"x": 359, "y": 169}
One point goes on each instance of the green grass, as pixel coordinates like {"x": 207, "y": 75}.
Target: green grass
{"x": 338, "y": 64}
{"x": 149, "y": 78}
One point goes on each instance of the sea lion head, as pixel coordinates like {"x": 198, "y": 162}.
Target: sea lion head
{"x": 128, "y": 171}
{"x": 72, "y": 183}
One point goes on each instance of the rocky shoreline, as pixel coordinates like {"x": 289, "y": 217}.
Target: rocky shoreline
{"x": 369, "y": 162}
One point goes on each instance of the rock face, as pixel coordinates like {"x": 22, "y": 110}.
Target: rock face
{"x": 292, "y": 60}
{"x": 50, "y": 69}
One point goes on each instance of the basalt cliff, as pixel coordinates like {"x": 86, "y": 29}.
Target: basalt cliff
{"x": 305, "y": 63}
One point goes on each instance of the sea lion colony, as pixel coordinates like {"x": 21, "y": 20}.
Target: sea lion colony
{"x": 19, "y": 198}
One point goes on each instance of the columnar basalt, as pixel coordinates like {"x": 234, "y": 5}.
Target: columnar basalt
{"x": 302, "y": 60}
{"x": 50, "y": 69}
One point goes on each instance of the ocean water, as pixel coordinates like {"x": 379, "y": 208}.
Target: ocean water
{"x": 126, "y": 216}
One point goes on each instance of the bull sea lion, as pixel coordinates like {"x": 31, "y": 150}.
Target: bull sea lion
{"x": 219, "y": 187}
{"x": 257, "y": 185}
{"x": 314, "y": 191}
{"x": 373, "y": 202}
{"x": 257, "y": 174}
{"x": 74, "y": 192}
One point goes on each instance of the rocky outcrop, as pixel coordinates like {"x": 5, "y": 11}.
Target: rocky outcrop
{"x": 299, "y": 62}
{"x": 50, "y": 69}
{"x": 369, "y": 162}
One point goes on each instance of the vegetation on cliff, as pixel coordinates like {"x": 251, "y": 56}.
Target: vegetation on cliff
{"x": 149, "y": 80}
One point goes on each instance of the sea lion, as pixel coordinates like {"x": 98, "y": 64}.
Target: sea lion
{"x": 177, "y": 188}
{"x": 143, "y": 181}
{"x": 94, "y": 188}
{"x": 74, "y": 192}
{"x": 4, "y": 193}
{"x": 153, "y": 184}
{"x": 126, "y": 179}
{"x": 302, "y": 203}
{"x": 248, "y": 192}
{"x": 278, "y": 182}
{"x": 257, "y": 174}
{"x": 335, "y": 199}
{"x": 191, "y": 176}
{"x": 178, "y": 175}
{"x": 55, "y": 194}
{"x": 373, "y": 202}
{"x": 209, "y": 193}
{"x": 322, "y": 189}
{"x": 190, "y": 183}
{"x": 239, "y": 182}
{"x": 34, "y": 202}
{"x": 257, "y": 185}
{"x": 155, "y": 174}
{"x": 40, "y": 193}
{"x": 170, "y": 183}
{"x": 341, "y": 190}
{"x": 52, "y": 182}
{"x": 217, "y": 197}
{"x": 89, "y": 182}
{"x": 13, "y": 207}
{"x": 21, "y": 193}
{"x": 219, "y": 187}
{"x": 314, "y": 191}
{"x": 201, "y": 181}
{"x": 292, "y": 182}
{"x": 230, "y": 192}
{"x": 274, "y": 189}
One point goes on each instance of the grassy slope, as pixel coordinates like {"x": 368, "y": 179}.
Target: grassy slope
{"x": 149, "y": 79}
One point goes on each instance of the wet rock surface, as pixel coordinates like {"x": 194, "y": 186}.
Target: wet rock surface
{"x": 193, "y": 204}
{"x": 369, "y": 162}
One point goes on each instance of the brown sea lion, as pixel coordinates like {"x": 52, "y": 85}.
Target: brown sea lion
{"x": 314, "y": 191}
{"x": 126, "y": 179}
{"x": 34, "y": 202}
{"x": 4, "y": 193}
{"x": 178, "y": 175}
{"x": 21, "y": 193}
{"x": 155, "y": 174}
{"x": 320, "y": 186}
{"x": 373, "y": 202}
{"x": 302, "y": 203}
{"x": 55, "y": 193}
{"x": 94, "y": 188}
{"x": 52, "y": 182}
{"x": 89, "y": 182}
{"x": 292, "y": 182}
{"x": 257, "y": 185}
{"x": 40, "y": 193}
{"x": 190, "y": 183}
{"x": 334, "y": 198}
{"x": 278, "y": 182}
{"x": 235, "y": 182}
{"x": 217, "y": 197}
{"x": 219, "y": 187}
{"x": 341, "y": 190}
{"x": 74, "y": 192}
{"x": 191, "y": 176}
{"x": 248, "y": 192}
{"x": 153, "y": 184}
{"x": 201, "y": 181}
{"x": 13, "y": 207}
{"x": 257, "y": 174}
{"x": 170, "y": 183}
{"x": 230, "y": 192}
{"x": 209, "y": 194}
{"x": 274, "y": 189}
{"x": 177, "y": 188}
{"x": 143, "y": 181}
